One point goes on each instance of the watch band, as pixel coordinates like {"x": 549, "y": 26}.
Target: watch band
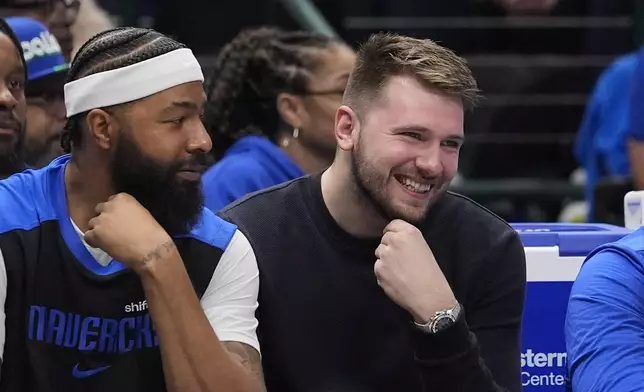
{"x": 441, "y": 320}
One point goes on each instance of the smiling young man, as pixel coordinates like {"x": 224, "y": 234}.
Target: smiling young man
{"x": 113, "y": 277}
{"x": 374, "y": 277}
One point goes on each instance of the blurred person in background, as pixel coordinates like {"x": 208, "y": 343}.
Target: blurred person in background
{"x": 46, "y": 73}
{"x": 272, "y": 99}
{"x": 13, "y": 107}
{"x": 636, "y": 130}
{"x": 601, "y": 142}
{"x": 57, "y": 15}
{"x": 91, "y": 20}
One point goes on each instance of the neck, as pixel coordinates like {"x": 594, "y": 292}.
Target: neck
{"x": 350, "y": 209}
{"x": 87, "y": 182}
{"x": 308, "y": 159}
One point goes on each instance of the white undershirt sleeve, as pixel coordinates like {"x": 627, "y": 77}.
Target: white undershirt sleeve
{"x": 230, "y": 300}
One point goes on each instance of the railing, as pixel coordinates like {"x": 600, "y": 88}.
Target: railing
{"x": 307, "y": 15}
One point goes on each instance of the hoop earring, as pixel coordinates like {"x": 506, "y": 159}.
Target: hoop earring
{"x": 296, "y": 133}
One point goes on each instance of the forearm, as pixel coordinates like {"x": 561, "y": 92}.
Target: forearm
{"x": 193, "y": 357}
{"x": 450, "y": 360}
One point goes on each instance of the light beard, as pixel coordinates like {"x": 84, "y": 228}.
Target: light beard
{"x": 371, "y": 187}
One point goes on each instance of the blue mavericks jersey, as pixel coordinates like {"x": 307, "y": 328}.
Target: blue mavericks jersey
{"x": 71, "y": 323}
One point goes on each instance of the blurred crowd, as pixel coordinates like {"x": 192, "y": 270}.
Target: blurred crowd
{"x": 273, "y": 92}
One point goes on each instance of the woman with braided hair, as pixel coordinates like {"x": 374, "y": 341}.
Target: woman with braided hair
{"x": 272, "y": 98}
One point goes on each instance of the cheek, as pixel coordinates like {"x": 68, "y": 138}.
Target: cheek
{"x": 450, "y": 163}
{"x": 392, "y": 155}
{"x": 160, "y": 142}
{"x": 37, "y": 123}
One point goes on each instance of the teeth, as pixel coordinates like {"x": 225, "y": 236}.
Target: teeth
{"x": 415, "y": 186}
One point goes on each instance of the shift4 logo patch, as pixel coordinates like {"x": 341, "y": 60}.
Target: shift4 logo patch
{"x": 140, "y": 306}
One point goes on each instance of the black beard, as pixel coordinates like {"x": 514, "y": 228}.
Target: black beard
{"x": 176, "y": 205}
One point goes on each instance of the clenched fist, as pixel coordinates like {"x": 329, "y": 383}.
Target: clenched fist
{"x": 408, "y": 273}
{"x": 126, "y": 231}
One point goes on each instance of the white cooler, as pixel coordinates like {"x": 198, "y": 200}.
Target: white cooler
{"x": 554, "y": 254}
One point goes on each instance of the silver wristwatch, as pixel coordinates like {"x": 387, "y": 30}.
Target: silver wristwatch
{"x": 441, "y": 320}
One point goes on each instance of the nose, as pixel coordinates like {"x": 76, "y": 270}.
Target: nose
{"x": 7, "y": 99}
{"x": 199, "y": 141}
{"x": 429, "y": 161}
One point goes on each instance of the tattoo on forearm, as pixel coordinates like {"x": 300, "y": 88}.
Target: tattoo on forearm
{"x": 159, "y": 251}
{"x": 248, "y": 357}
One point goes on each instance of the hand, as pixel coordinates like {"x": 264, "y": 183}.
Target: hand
{"x": 127, "y": 232}
{"x": 527, "y": 6}
{"x": 408, "y": 273}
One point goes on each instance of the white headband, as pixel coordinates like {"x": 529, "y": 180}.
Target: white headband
{"x": 132, "y": 82}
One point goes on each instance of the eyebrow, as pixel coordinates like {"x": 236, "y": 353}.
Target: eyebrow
{"x": 182, "y": 105}
{"x": 420, "y": 128}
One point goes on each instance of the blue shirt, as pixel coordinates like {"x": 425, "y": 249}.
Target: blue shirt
{"x": 600, "y": 147}
{"x": 605, "y": 321}
{"x": 251, "y": 164}
{"x": 637, "y": 101}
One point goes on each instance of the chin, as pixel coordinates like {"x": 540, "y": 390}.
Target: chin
{"x": 415, "y": 217}
{"x": 416, "y": 213}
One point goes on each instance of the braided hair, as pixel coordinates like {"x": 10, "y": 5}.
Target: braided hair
{"x": 108, "y": 50}
{"x": 8, "y": 31}
{"x": 249, "y": 72}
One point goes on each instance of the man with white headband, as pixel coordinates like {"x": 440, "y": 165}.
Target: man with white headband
{"x": 113, "y": 277}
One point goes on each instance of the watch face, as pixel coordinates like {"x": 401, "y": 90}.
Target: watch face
{"x": 442, "y": 323}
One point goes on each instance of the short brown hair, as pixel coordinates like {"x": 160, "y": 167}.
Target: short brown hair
{"x": 385, "y": 55}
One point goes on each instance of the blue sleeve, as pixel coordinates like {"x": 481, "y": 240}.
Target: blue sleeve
{"x": 589, "y": 125}
{"x": 230, "y": 179}
{"x": 605, "y": 325}
{"x": 637, "y": 101}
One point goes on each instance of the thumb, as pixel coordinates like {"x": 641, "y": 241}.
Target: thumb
{"x": 90, "y": 238}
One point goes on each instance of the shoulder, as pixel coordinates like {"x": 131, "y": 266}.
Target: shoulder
{"x": 237, "y": 166}
{"x": 25, "y": 200}
{"x": 626, "y": 254}
{"x": 624, "y": 66}
{"x": 611, "y": 277}
{"x": 212, "y": 230}
{"x": 232, "y": 178}
{"x": 471, "y": 222}
{"x": 274, "y": 200}
{"x": 467, "y": 235}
